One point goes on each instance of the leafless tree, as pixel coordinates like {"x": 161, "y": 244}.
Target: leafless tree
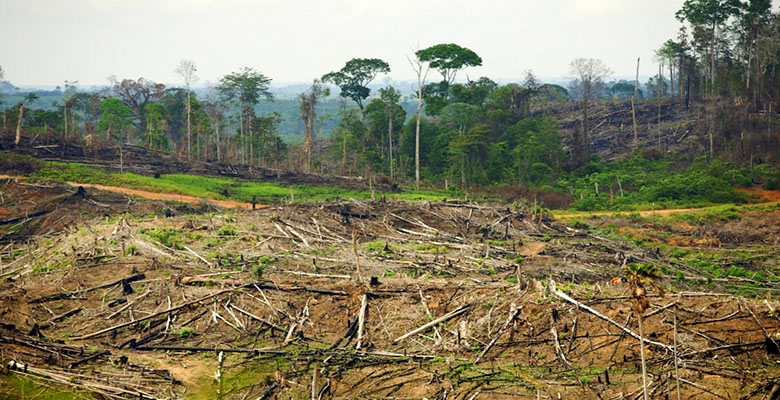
{"x": 186, "y": 69}
{"x": 588, "y": 84}
{"x": 421, "y": 70}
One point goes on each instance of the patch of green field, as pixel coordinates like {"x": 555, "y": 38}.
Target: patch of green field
{"x": 219, "y": 188}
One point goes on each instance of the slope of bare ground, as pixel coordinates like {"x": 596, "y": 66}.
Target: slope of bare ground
{"x": 349, "y": 300}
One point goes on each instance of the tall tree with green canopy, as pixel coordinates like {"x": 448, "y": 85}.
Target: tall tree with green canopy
{"x": 709, "y": 14}
{"x": 467, "y": 147}
{"x": 448, "y": 59}
{"x": 354, "y": 77}
{"x": 384, "y": 115}
{"x": 270, "y": 147}
{"x": 473, "y": 92}
{"x": 750, "y": 27}
{"x": 155, "y": 134}
{"x": 115, "y": 119}
{"x": 135, "y": 94}
{"x": 246, "y": 87}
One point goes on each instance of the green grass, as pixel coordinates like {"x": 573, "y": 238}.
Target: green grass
{"x": 220, "y": 188}
{"x": 17, "y": 387}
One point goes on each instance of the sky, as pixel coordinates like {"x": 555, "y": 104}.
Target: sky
{"x": 48, "y": 42}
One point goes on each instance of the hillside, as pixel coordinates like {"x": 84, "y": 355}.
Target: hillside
{"x": 126, "y": 297}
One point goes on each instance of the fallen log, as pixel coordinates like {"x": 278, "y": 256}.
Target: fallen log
{"x": 452, "y": 314}
{"x": 60, "y": 317}
{"x": 86, "y": 359}
{"x": 125, "y": 282}
{"x": 212, "y": 349}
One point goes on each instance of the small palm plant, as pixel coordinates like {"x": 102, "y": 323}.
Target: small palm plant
{"x": 638, "y": 277}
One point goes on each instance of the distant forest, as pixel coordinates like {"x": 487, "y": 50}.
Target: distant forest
{"x": 715, "y": 98}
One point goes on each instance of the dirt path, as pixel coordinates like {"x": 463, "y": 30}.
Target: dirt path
{"x": 766, "y": 198}
{"x": 167, "y": 196}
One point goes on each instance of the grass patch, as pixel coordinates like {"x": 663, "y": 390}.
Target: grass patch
{"x": 219, "y": 188}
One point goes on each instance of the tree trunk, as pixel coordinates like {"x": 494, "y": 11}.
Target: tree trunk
{"x": 417, "y": 138}
{"x": 712, "y": 61}
{"x": 633, "y": 109}
{"x": 390, "y": 134}
{"x": 642, "y": 353}
{"x": 189, "y": 125}
{"x": 19, "y": 126}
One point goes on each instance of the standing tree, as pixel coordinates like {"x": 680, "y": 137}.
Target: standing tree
{"x": 417, "y": 65}
{"x": 115, "y": 119}
{"x": 69, "y": 99}
{"x": 447, "y": 59}
{"x": 390, "y": 98}
{"x": 588, "y": 83}
{"x": 638, "y": 276}
{"x": 246, "y": 87}
{"x": 135, "y": 94}
{"x": 2, "y": 101}
{"x": 186, "y": 69}
{"x": 467, "y": 147}
{"x": 18, "y": 138}
{"x": 709, "y": 14}
{"x": 384, "y": 114}
{"x": 31, "y": 97}
{"x": 309, "y": 116}
{"x": 354, "y": 77}
{"x": 669, "y": 54}
{"x": 215, "y": 110}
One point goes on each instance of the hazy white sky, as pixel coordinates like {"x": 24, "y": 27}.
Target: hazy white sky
{"x": 46, "y": 42}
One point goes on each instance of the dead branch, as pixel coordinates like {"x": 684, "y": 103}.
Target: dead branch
{"x": 604, "y": 317}
{"x": 60, "y": 317}
{"x": 361, "y": 320}
{"x": 258, "y": 319}
{"x": 157, "y": 314}
{"x": 557, "y": 346}
{"x": 452, "y": 314}
{"x": 119, "y": 311}
{"x": 86, "y": 359}
{"x": 317, "y": 275}
{"x": 727, "y": 347}
{"x": 198, "y": 256}
{"x": 512, "y": 316}
{"x": 766, "y": 334}
{"x": 60, "y": 296}
{"x": 700, "y": 387}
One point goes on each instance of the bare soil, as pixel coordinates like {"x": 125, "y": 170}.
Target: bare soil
{"x": 125, "y": 297}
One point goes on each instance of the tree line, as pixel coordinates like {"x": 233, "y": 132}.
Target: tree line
{"x": 472, "y": 133}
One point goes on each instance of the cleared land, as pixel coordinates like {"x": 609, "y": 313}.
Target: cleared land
{"x": 124, "y": 296}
